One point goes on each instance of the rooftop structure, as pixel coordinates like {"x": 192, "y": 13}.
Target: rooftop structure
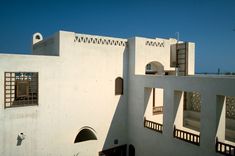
{"x": 89, "y": 95}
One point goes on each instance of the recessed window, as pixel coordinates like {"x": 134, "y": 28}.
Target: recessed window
{"x": 85, "y": 135}
{"x": 187, "y": 111}
{"x": 21, "y": 89}
{"x": 192, "y": 109}
{"x": 230, "y": 118}
{"x": 119, "y": 86}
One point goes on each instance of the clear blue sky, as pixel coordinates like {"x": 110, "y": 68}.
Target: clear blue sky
{"x": 208, "y": 23}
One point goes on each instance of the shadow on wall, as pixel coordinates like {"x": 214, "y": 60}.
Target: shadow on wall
{"x": 115, "y": 142}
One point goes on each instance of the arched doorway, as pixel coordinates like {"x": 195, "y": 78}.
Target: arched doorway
{"x": 154, "y": 68}
{"x": 131, "y": 150}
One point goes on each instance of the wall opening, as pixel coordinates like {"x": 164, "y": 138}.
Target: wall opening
{"x": 85, "y": 134}
{"x": 187, "y": 107}
{"x": 230, "y": 118}
{"x": 225, "y": 136}
{"x": 37, "y": 37}
{"x": 119, "y": 86}
{"x": 21, "y": 89}
{"x": 153, "y": 116}
{"x": 131, "y": 150}
{"x": 154, "y": 68}
{"x": 192, "y": 109}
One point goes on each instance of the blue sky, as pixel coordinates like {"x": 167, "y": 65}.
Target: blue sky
{"x": 208, "y": 23}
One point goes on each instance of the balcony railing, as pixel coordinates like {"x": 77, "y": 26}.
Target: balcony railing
{"x": 186, "y": 136}
{"x": 224, "y": 148}
{"x": 153, "y": 125}
{"x": 157, "y": 110}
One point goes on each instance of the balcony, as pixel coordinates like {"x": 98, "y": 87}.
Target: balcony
{"x": 200, "y": 124}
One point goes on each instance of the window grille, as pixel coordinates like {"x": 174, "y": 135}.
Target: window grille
{"x": 21, "y": 89}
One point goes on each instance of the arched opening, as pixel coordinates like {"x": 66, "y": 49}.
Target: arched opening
{"x": 131, "y": 150}
{"x": 85, "y": 134}
{"x": 154, "y": 68}
{"x": 37, "y": 37}
{"x": 118, "y": 86}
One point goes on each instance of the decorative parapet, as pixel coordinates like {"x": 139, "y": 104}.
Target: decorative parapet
{"x": 155, "y": 43}
{"x": 90, "y": 39}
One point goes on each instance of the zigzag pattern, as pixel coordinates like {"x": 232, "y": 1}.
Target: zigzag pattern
{"x": 102, "y": 41}
{"x": 154, "y": 43}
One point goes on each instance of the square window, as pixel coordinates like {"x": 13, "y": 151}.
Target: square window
{"x": 21, "y": 89}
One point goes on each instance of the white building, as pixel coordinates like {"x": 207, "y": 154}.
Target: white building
{"x": 90, "y": 95}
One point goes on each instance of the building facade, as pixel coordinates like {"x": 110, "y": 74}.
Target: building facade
{"x": 90, "y": 95}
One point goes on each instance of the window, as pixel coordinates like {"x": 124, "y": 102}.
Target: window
{"x": 157, "y": 101}
{"x": 21, "y": 89}
{"x": 119, "y": 86}
{"x": 230, "y": 118}
{"x": 84, "y": 135}
{"x": 148, "y": 67}
{"x": 187, "y": 116}
{"x": 192, "y": 109}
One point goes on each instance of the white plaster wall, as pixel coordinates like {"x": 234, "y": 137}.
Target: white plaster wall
{"x": 145, "y": 54}
{"x": 76, "y": 89}
{"x": 165, "y": 144}
{"x": 36, "y": 122}
{"x": 158, "y": 102}
{"x": 92, "y": 71}
{"x": 191, "y": 58}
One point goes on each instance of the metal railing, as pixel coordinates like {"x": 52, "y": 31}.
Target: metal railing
{"x": 186, "y": 136}
{"x": 224, "y": 148}
{"x": 153, "y": 125}
{"x": 157, "y": 110}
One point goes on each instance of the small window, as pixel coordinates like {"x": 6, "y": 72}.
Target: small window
{"x": 38, "y": 37}
{"x": 21, "y": 89}
{"x": 85, "y": 134}
{"x": 148, "y": 67}
{"x": 119, "y": 86}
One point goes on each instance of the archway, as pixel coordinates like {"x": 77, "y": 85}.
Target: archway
{"x": 154, "y": 68}
{"x": 131, "y": 150}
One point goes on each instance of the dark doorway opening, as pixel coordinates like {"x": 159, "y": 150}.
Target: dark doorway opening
{"x": 131, "y": 150}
